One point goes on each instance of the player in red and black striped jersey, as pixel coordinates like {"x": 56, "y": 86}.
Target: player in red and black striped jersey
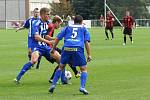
{"x": 128, "y": 24}
{"x": 109, "y": 25}
{"x": 51, "y": 27}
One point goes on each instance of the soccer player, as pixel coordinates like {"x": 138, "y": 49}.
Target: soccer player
{"x": 128, "y": 24}
{"x": 39, "y": 43}
{"x": 51, "y": 27}
{"x": 101, "y": 19}
{"x": 109, "y": 25}
{"x": 75, "y": 36}
{"x": 28, "y": 24}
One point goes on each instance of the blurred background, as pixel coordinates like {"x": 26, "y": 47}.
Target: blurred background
{"x": 16, "y": 11}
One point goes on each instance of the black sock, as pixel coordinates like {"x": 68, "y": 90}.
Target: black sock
{"x": 106, "y": 34}
{"x": 124, "y": 39}
{"x": 29, "y": 56}
{"x": 38, "y": 63}
{"x": 54, "y": 72}
{"x": 73, "y": 68}
{"x": 131, "y": 38}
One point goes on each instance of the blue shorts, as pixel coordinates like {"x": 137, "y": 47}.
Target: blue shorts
{"x": 43, "y": 50}
{"x": 29, "y": 42}
{"x": 75, "y": 56}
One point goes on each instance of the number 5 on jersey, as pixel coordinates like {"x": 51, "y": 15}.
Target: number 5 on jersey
{"x": 74, "y": 33}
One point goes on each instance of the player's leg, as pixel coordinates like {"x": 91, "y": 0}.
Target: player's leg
{"x": 130, "y": 35}
{"x": 80, "y": 57}
{"x": 51, "y": 79}
{"x": 38, "y": 63}
{"x": 29, "y": 53}
{"x": 106, "y": 33}
{"x": 27, "y": 66}
{"x": 76, "y": 72}
{"x": 112, "y": 34}
{"x": 124, "y": 38}
{"x": 83, "y": 79}
{"x": 56, "y": 77}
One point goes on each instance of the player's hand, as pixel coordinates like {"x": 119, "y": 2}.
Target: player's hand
{"x": 89, "y": 58}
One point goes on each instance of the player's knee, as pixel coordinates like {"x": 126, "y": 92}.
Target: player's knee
{"x": 83, "y": 69}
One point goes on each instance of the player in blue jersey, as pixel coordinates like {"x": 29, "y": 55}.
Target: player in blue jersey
{"x": 39, "y": 45}
{"x": 75, "y": 36}
{"x": 28, "y": 25}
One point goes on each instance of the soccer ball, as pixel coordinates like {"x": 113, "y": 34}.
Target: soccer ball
{"x": 68, "y": 75}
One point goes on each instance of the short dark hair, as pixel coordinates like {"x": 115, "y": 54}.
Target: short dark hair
{"x": 57, "y": 19}
{"x": 78, "y": 19}
{"x": 36, "y": 9}
{"x": 44, "y": 10}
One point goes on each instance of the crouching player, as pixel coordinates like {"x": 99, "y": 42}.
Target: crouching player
{"x": 75, "y": 37}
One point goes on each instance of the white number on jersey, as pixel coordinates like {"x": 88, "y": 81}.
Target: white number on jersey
{"x": 74, "y": 33}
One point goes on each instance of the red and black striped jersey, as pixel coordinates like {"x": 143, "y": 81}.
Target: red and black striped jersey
{"x": 50, "y": 31}
{"x": 109, "y": 21}
{"x": 128, "y": 21}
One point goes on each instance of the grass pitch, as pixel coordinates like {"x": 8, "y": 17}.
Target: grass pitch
{"x": 116, "y": 72}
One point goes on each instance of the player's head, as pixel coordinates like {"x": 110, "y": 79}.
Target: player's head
{"x": 57, "y": 20}
{"x": 78, "y": 19}
{"x": 108, "y": 12}
{"x": 45, "y": 14}
{"x": 36, "y": 12}
{"x": 127, "y": 13}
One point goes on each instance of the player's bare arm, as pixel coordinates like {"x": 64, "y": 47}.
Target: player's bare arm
{"x": 54, "y": 46}
{"x": 49, "y": 37}
{"x": 87, "y": 46}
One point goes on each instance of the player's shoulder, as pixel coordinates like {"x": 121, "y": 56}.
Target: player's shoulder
{"x": 50, "y": 25}
{"x": 77, "y": 26}
{"x": 37, "y": 22}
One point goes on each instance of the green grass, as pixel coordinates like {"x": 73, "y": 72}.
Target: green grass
{"x": 116, "y": 72}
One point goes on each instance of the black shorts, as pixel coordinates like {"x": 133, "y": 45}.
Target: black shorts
{"x": 51, "y": 59}
{"x": 109, "y": 28}
{"x": 127, "y": 31}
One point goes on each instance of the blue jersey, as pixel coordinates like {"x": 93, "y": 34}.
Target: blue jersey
{"x": 29, "y": 23}
{"x": 39, "y": 27}
{"x": 74, "y": 36}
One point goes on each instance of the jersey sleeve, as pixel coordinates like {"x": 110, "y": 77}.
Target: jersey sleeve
{"x": 27, "y": 23}
{"x": 87, "y": 35}
{"x": 61, "y": 34}
{"x": 36, "y": 28}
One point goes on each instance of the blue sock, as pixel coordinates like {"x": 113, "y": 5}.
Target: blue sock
{"x": 23, "y": 70}
{"x": 83, "y": 79}
{"x": 63, "y": 78}
{"x": 56, "y": 76}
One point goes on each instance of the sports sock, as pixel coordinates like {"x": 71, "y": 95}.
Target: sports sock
{"x": 131, "y": 38}
{"x": 74, "y": 69}
{"x": 56, "y": 76}
{"x": 29, "y": 56}
{"x": 106, "y": 34}
{"x": 38, "y": 63}
{"x": 112, "y": 34}
{"x": 25, "y": 68}
{"x": 83, "y": 79}
{"x": 63, "y": 78}
{"x": 124, "y": 39}
{"x": 54, "y": 72}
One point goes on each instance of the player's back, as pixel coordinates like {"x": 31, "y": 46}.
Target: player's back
{"x": 75, "y": 36}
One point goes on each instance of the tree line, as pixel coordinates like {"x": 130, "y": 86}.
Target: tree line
{"x": 92, "y": 9}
